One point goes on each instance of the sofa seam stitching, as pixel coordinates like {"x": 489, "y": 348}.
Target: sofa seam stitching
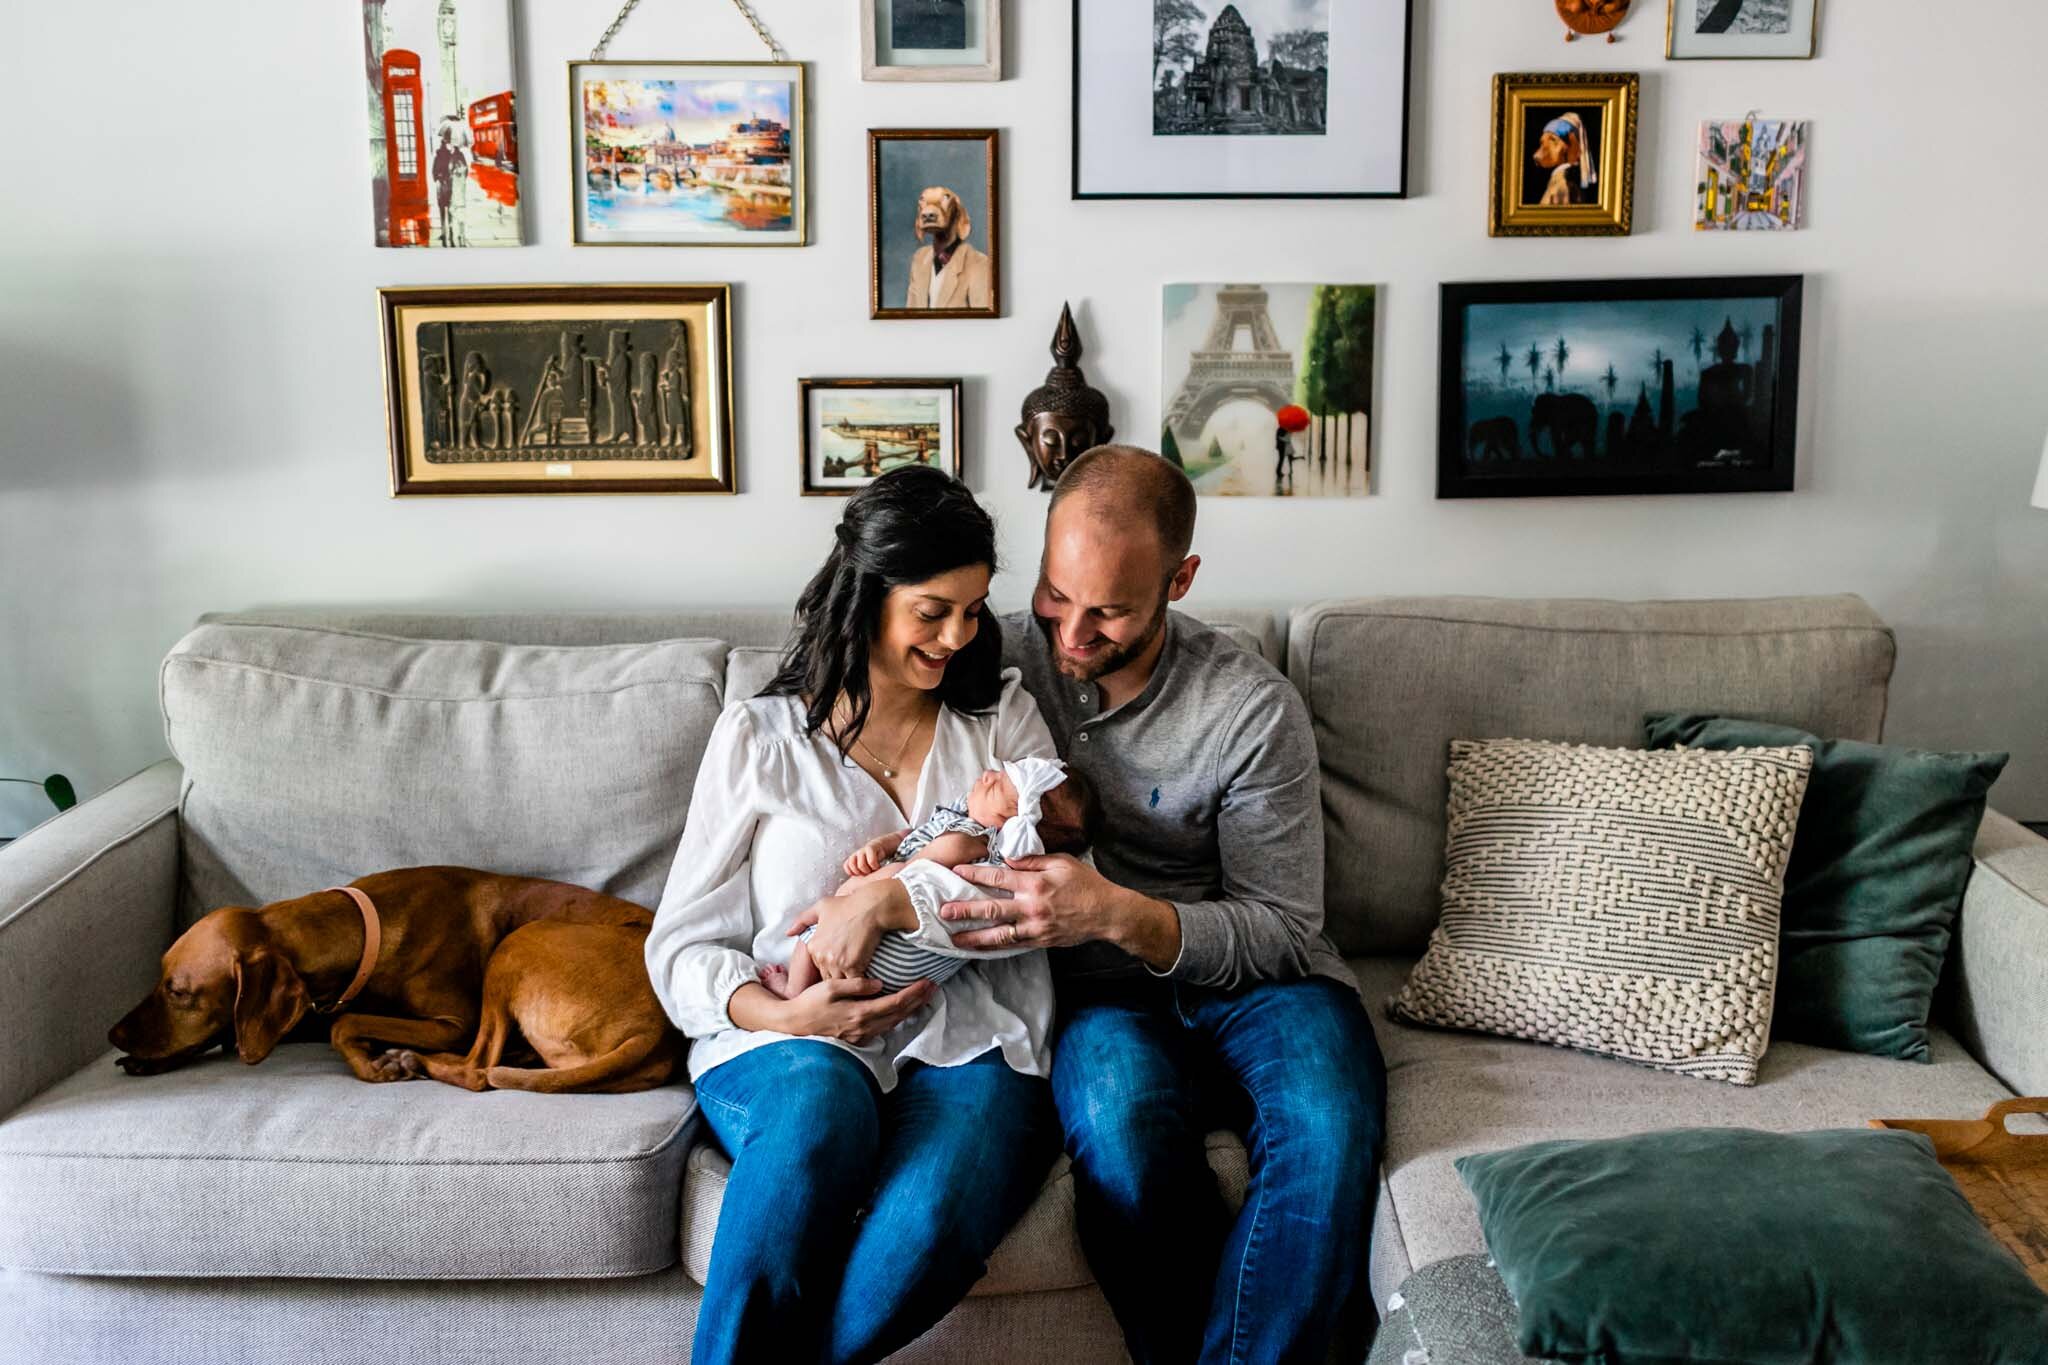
{"x": 168, "y": 812}
{"x": 709, "y": 684}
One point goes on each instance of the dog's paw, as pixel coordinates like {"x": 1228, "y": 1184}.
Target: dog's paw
{"x": 398, "y": 1064}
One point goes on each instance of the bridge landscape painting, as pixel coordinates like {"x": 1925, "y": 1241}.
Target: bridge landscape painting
{"x": 856, "y": 430}
{"x": 1640, "y": 386}
{"x": 1269, "y": 388}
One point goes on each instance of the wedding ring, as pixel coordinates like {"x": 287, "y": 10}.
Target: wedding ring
{"x": 1012, "y": 940}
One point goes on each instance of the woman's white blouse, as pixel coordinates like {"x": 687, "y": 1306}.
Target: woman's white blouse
{"x": 774, "y": 814}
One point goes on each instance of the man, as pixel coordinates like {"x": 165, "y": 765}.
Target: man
{"x": 1196, "y": 987}
{"x": 947, "y": 272}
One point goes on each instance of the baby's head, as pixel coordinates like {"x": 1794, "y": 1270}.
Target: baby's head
{"x": 1068, "y": 815}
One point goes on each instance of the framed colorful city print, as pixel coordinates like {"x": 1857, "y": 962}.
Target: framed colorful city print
{"x": 931, "y": 40}
{"x": 1784, "y": 29}
{"x": 687, "y": 153}
{"x": 1234, "y": 99}
{"x": 444, "y": 143}
{"x": 1752, "y": 175}
{"x": 856, "y": 430}
{"x": 613, "y": 388}
{"x": 934, "y": 223}
{"x": 1536, "y": 379}
{"x": 1564, "y": 155}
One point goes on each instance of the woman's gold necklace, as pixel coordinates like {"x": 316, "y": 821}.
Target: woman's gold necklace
{"x": 889, "y": 766}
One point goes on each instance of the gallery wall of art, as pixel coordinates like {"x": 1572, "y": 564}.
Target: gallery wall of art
{"x": 193, "y": 408}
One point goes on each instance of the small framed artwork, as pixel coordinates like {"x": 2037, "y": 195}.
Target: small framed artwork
{"x": 931, "y": 40}
{"x": 856, "y": 430}
{"x": 1752, "y": 176}
{"x": 1564, "y": 155}
{"x": 1783, "y": 29}
{"x": 1619, "y": 386}
{"x": 615, "y": 388}
{"x": 444, "y": 143}
{"x": 687, "y": 153}
{"x": 1268, "y": 388}
{"x": 934, "y": 223}
{"x": 1234, "y": 99}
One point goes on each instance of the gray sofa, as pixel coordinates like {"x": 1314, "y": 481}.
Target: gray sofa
{"x": 223, "y": 1213}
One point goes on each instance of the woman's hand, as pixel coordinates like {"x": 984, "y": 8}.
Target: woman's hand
{"x": 849, "y": 1009}
{"x": 849, "y": 926}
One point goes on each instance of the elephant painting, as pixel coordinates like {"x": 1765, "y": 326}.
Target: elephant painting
{"x": 1497, "y": 438}
{"x": 1572, "y": 421}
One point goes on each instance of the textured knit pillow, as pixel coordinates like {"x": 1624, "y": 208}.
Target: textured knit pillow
{"x": 1613, "y": 900}
{"x": 1877, "y": 875}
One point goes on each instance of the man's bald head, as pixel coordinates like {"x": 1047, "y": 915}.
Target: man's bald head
{"x": 1132, "y": 487}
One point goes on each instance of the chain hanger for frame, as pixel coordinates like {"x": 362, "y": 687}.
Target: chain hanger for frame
{"x": 746, "y": 11}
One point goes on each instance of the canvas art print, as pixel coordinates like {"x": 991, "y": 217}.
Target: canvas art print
{"x": 934, "y": 235}
{"x": 1629, "y": 386}
{"x": 1741, "y": 28}
{"x": 1752, "y": 176}
{"x": 928, "y": 24}
{"x": 1240, "y": 68}
{"x": 1241, "y": 99}
{"x": 856, "y": 430}
{"x": 688, "y": 153}
{"x": 538, "y": 388}
{"x": 1563, "y": 155}
{"x": 444, "y": 142}
{"x": 1269, "y": 388}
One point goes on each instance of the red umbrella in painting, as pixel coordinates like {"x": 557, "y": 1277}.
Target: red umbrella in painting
{"x": 1293, "y": 417}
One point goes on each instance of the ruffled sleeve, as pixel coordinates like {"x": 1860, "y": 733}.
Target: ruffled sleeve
{"x": 697, "y": 952}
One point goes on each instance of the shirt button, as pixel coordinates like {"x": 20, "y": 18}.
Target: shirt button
{"x": 1084, "y": 736}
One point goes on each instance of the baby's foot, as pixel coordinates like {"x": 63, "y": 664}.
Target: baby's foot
{"x": 776, "y": 979}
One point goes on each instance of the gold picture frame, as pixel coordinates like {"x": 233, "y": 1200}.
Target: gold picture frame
{"x": 1581, "y": 127}
{"x": 539, "y": 388}
{"x": 755, "y": 187}
{"x": 897, "y": 187}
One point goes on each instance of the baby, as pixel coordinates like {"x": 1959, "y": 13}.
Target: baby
{"x": 1028, "y": 807}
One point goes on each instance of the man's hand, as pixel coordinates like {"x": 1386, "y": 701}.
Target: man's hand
{"x": 1058, "y": 901}
{"x": 870, "y": 856}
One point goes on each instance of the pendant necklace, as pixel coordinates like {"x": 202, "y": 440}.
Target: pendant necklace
{"x": 888, "y": 767}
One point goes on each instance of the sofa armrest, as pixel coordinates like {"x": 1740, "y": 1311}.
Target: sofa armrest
{"x": 1999, "y": 957}
{"x": 88, "y": 903}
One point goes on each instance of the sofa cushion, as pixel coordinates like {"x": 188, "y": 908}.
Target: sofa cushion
{"x": 1042, "y": 1252}
{"x": 315, "y": 756}
{"x": 296, "y": 1168}
{"x": 1452, "y": 1094}
{"x": 1391, "y": 681}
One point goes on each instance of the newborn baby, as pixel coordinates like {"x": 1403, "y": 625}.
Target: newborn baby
{"x": 1028, "y": 807}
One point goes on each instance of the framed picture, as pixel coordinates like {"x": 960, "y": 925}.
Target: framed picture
{"x": 856, "y": 430}
{"x": 934, "y": 223}
{"x": 1785, "y": 29}
{"x": 1619, "y": 386}
{"x": 931, "y": 40}
{"x": 1564, "y": 155}
{"x": 1233, "y": 99}
{"x": 523, "y": 388}
{"x": 687, "y": 153}
{"x": 1752, "y": 176}
{"x": 1268, "y": 388}
{"x": 444, "y": 143}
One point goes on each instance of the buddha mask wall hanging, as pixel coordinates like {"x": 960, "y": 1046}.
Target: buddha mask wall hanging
{"x": 1063, "y": 417}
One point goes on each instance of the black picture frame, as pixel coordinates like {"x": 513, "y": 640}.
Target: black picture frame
{"x": 1407, "y": 130}
{"x": 1669, "y": 458}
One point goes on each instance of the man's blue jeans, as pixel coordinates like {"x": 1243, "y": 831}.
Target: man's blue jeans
{"x": 943, "y": 1165}
{"x": 1143, "y": 1070}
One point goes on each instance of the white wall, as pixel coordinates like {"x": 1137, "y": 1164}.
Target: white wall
{"x": 191, "y": 400}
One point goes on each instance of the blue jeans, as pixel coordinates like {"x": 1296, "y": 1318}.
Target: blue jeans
{"x": 942, "y": 1165}
{"x": 1143, "y": 1070}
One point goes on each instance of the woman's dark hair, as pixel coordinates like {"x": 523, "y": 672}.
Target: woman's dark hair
{"x": 908, "y": 526}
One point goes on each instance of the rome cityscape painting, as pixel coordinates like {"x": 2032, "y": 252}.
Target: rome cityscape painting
{"x": 1619, "y": 386}
{"x": 444, "y": 137}
{"x": 1240, "y": 67}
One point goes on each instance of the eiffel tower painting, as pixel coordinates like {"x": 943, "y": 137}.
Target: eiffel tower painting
{"x": 1268, "y": 387}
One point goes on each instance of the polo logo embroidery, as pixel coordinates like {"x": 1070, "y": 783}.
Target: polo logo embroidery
{"x": 1155, "y": 798}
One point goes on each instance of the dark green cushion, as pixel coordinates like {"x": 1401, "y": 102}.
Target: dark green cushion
{"x": 1721, "y": 1244}
{"x": 1879, "y": 863}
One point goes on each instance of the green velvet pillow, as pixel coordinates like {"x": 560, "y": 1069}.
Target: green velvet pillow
{"x": 1721, "y": 1244}
{"x": 1879, "y": 863}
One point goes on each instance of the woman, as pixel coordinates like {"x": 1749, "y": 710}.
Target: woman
{"x": 928, "y": 1108}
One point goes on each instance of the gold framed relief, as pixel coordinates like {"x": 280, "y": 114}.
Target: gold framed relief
{"x": 1564, "y": 154}
{"x": 616, "y": 388}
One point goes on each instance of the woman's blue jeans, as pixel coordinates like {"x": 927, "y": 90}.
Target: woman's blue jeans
{"x": 854, "y": 1220}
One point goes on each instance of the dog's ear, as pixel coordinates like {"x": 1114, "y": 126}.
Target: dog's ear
{"x": 270, "y": 999}
{"x": 962, "y": 224}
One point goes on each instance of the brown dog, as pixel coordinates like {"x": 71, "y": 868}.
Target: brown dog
{"x": 558, "y": 964}
{"x": 947, "y": 272}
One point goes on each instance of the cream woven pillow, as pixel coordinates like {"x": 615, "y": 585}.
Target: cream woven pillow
{"x": 1614, "y": 900}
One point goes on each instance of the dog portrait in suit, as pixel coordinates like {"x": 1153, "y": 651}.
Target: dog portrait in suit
{"x": 948, "y": 271}
{"x": 935, "y": 238}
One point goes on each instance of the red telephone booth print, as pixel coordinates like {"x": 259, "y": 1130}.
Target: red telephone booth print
{"x": 494, "y": 147}
{"x": 405, "y": 166}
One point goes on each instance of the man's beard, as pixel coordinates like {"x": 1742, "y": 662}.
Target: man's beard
{"x": 1111, "y": 661}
